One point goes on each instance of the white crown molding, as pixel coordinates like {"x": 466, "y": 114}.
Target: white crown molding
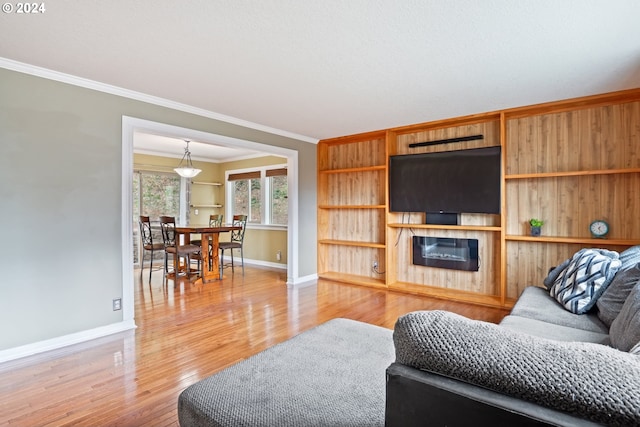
{"x": 34, "y": 70}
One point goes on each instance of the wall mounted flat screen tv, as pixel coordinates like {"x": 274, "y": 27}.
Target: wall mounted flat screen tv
{"x": 460, "y": 181}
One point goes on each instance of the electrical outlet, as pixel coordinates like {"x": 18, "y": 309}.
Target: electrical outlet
{"x": 117, "y": 304}
{"x": 279, "y": 255}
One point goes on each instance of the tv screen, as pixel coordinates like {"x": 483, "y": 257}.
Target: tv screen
{"x": 461, "y": 181}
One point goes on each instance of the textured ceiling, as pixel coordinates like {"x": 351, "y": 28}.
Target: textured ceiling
{"x": 322, "y": 68}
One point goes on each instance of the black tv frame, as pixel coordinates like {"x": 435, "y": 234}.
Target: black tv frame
{"x": 447, "y": 217}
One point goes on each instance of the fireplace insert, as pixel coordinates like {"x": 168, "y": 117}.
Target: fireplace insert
{"x": 442, "y": 252}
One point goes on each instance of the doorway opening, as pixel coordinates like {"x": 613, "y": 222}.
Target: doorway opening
{"x": 131, "y": 125}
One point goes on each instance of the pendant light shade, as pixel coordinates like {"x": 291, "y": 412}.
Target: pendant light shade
{"x": 187, "y": 171}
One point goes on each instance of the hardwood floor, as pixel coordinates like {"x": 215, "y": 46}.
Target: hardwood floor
{"x": 184, "y": 334}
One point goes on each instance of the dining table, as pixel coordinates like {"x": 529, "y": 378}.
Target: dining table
{"x": 210, "y": 269}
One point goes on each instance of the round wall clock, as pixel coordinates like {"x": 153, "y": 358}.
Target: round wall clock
{"x": 599, "y": 228}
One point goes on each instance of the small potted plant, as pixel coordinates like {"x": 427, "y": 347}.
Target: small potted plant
{"x": 536, "y": 226}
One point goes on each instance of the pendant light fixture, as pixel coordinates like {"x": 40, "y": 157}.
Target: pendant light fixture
{"x": 187, "y": 171}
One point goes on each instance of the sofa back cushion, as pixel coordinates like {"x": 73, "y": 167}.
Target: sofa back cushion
{"x": 592, "y": 381}
{"x": 579, "y": 285}
{"x": 611, "y": 301}
{"x": 536, "y": 303}
{"x": 625, "y": 329}
{"x": 630, "y": 257}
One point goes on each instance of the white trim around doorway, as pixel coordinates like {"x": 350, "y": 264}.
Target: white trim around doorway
{"x": 131, "y": 125}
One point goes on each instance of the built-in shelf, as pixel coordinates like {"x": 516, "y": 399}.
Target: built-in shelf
{"x": 358, "y": 169}
{"x": 352, "y": 209}
{"x": 574, "y": 240}
{"x": 351, "y": 206}
{"x": 351, "y": 243}
{"x": 215, "y": 184}
{"x": 352, "y": 278}
{"x": 449, "y": 293}
{"x": 447, "y": 227}
{"x": 207, "y": 197}
{"x": 572, "y": 173}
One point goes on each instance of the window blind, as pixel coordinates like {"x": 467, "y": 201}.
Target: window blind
{"x": 277, "y": 172}
{"x": 244, "y": 175}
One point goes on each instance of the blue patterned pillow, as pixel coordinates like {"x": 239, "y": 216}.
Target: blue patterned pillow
{"x": 585, "y": 278}
{"x": 554, "y": 272}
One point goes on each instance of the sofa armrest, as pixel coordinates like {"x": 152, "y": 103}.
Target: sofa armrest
{"x": 415, "y": 396}
{"x": 591, "y": 381}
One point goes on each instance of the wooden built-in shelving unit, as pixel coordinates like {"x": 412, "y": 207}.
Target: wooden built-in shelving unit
{"x": 352, "y": 208}
{"x": 567, "y": 162}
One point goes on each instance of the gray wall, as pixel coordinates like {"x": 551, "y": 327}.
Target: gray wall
{"x": 60, "y": 203}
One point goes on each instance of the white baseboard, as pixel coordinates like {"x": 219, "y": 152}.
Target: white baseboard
{"x": 64, "y": 341}
{"x": 300, "y": 281}
{"x": 256, "y": 262}
{"x": 91, "y": 334}
{"x": 304, "y": 281}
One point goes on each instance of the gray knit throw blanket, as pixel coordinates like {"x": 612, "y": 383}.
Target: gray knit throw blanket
{"x": 591, "y": 381}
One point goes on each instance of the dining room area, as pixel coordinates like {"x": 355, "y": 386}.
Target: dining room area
{"x": 230, "y": 207}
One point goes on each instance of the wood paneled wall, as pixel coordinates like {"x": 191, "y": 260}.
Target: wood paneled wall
{"x": 567, "y": 162}
{"x": 603, "y": 137}
{"x": 490, "y": 131}
{"x": 485, "y": 281}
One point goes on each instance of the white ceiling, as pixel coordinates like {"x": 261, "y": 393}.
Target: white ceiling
{"x": 327, "y": 68}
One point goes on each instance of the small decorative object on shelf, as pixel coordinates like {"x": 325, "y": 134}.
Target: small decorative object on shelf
{"x": 599, "y": 229}
{"x": 536, "y": 226}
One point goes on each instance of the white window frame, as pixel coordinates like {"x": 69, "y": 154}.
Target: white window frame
{"x": 269, "y": 192}
{"x": 265, "y": 195}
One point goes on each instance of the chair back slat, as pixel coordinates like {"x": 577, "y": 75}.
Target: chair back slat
{"x": 241, "y": 221}
{"x": 168, "y": 226}
{"x": 145, "y": 231}
{"x": 215, "y": 220}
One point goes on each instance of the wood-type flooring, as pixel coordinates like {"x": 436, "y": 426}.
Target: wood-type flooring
{"x": 186, "y": 332}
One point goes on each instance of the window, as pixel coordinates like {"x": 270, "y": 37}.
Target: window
{"x": 277, "y": 184}
{"x": 259, "y": 194}
{"x": 154, "y": 194}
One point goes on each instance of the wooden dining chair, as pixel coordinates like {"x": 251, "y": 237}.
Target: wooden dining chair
{"x": 214, "y": 221}
{"x": 146, "y": 238}
{"x": 236, "y": 242}
{"x": 172, "y": 246}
